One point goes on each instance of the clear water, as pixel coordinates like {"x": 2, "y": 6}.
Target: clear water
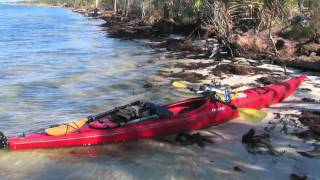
{"x": 55, "y": 66}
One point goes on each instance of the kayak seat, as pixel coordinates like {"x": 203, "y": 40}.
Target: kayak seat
{"x": 103, "y": 124}
{"x": 125, "y": 115}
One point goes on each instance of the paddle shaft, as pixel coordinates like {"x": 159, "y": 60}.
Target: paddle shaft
{"x": 226, "y": 103}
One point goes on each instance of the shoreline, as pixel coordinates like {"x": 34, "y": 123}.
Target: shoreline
{"x": 36, "y": 4}
{"x": 120, "y": 27}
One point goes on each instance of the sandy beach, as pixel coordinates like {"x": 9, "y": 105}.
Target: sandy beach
{"x": 283, "y": 158}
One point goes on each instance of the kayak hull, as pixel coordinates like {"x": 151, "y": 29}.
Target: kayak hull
{"x": 191, "y": 114}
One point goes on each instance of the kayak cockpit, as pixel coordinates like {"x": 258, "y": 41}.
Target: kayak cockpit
{"x": 145, "y": 111}
{"x": 186, "y": 106}
{"x": 131, "y": 114}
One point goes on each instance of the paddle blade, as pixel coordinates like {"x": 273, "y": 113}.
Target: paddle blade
{"x": 222, "y": 97}
{"x": 65, "y": 129}
{"x": 179, "y": 84}
{"x": 252, "y": 115}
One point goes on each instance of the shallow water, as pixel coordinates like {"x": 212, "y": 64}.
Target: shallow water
{"x": 57, "y": 65}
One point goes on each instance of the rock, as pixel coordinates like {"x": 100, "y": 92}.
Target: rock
{"x": 148, "y": 85}
{"x": 237, "y": 168}
{"x": 314, "y": 153}
{"x": 307, "y": 49}
{"x": 308, "y": 100}
{"x": 190, "y": 139}
{"x": 237, "y": 69}
{"x": 312, "y": 121}
{"x": 249, "y": 137}
{"x": 280, "y": 44}
{"x": 180, "y": 45}
{"x": 298, "y": 177}
{"x": 230, "y": 69}
{"x": 316, "y": 38}
{"x": 270, "y": 80}
{"x": 307, "y": 135}
{"x": 310, "y": 118}
{"x": 258, "y": 144}
{"x": 3, "y": 141}
{"x": 190, "y": 77}
{"x": 165, "y": 26}
{"x": 305, "y": 89}
{"x": 310, "y": 154}
{"x": 194, "y": 66}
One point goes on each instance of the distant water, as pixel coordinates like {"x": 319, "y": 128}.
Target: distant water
{"x": 56, "y": 65}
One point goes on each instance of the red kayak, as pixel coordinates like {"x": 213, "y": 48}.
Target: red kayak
{"x": 192, "y": 114}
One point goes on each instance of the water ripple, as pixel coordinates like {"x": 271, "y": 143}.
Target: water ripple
{"x": 56, "y": 65}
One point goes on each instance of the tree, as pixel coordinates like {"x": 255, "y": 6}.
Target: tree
{"x": 98, "y": 2}
{"x": 215, "y": 13}
{"x": 166, "y": 11}
{"x": 273, "y": 9}
{"x": 301, "y": 7}
{"x": 126, "y": 7}
{"x": 143, "y": 10}
{"x": 115, "y": 6}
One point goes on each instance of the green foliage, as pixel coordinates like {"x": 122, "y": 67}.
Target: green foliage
{"x": 197, "y": 4}
{"x": 246, "y": 12}
{"x": 316, "y": 18}
{"x": 315, "y": 4}
{"x": 299, "y": 31}
{"x": 260, "y": 12}
{"x": 68, "y": 3}
{"x": 254, "y": 13}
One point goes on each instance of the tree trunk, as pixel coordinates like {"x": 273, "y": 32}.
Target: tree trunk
{"x": 98, "y": 2}
{"x": 115, "y": 6}
{"x": 270, "y": 35}
{"x": 165, "y": 10}
{"x": 150, "y": 13}
{"x": 301, "y": 7}
{"x": 143, "y": 12}
{"x": 127, "y": 7}
{"x": 274, "y": 46}
{"x": 271, "y": 38}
